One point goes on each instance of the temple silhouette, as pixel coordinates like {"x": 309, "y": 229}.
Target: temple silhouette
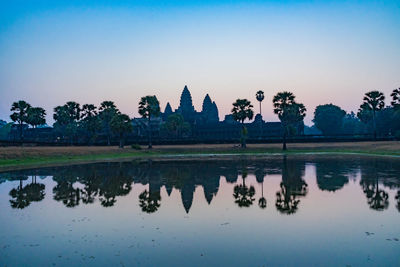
{"x": 205, "y": 125}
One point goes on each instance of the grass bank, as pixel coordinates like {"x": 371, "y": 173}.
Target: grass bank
{"x": 28, "y": 157}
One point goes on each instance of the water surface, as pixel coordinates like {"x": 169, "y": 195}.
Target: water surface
{"x": 292, "y": 211}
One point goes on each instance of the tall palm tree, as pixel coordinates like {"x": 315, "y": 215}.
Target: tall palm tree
{"x": 107, "y": 111}
{"x": 396, "y": 98}
{"x": 66, "y": 119}
{"x": 120, "y": 125}
{"x": 373, "y": 101}
{"x": 90, "y": 121}
{"x": 20, "y": 115}
{"x": 149, "y": 107}
{"x": 288, "y": 111}
{"x": 260, "y": 97}
{"x": 242, "y": 110}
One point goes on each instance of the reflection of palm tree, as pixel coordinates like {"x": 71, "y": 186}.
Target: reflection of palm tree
{"x": 244, "y": 196}
{"x": 20, "y": 197}
{"x": 292, "y": 187}
{"x": 262, "y": 202}
{"x": 149, "y": 201}
{"x": 24, "y": 196}
{"x": 286, "y": 202}
{"x": 35, "y": 192}
{"x": 398, "y": 200}
{"x": 377, "y": 198}
{"x": 65, "y": 192}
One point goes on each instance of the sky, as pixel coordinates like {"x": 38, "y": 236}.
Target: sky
{"x": 324, "y": 52}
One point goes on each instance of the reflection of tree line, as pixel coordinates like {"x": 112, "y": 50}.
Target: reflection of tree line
{"x": 105, "y": 182}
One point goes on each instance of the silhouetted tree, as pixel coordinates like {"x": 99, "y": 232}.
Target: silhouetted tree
{"x": 289, "y": 112}
{"x": 242, "y": 110}
{"x": 373, "y": 102}
{"x": 20, "y": 115}
{"x": 260, "y": 97}
{"x": 36, "y": 116}
{"x": 66, "y": 119}
{"x": 149, "y": 107}
{"x": 396, "y": 98}
{"x": 120, "y": 125}
{"x": 90, "y": 122}
{"x": 176, "y": 125}
{"x": 352, "y": 125}
{"x": 107, "y": 112}
{"x": 328, "y": 118}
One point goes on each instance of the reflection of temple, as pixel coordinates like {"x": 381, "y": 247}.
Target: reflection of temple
{"x": 106, "y": 182}
{"x": 205, "y": 125}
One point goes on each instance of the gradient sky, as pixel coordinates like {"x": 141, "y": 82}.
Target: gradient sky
{"x": 89, "y": 51}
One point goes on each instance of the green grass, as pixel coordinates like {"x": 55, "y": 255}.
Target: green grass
{"x": 145, "y": 154}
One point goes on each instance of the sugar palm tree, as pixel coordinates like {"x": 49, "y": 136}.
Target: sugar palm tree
{"x": 396, "y": 98}
{"x": 66, "y": 119}
{"x": 90, "y": 121}
{"x": 260, "y": 97}
{"x": 107, "y": 111}
{"x": 149, "y": 107}
{"x": 242, "y": 110}
{"x": 373, "y": 102}
{"x": 288, "y": 111}
{"x": 120, "y": 125}
{"x": 20, "y": 115}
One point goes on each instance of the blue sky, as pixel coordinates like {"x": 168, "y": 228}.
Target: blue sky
{"x": 88, "y": 51}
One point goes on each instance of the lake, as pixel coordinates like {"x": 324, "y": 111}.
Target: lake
{"x": 280, "y": 210}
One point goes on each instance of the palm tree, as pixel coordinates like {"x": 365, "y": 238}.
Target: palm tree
{"x": 149, "y": 107}
{"x": 373, "y": 101}
{"x": 20, "y": 115}
{"x": 66, "y": 119}
{"x": 120, "y": 125}
{"x": 395, "y": 98}
{"x": 260, "y": 97}
{"x": 90, "y": 121}
{"x": 107, "y": 111}
{"x": 242, "y": 110}
{"x": 288, "y": 111}
{"x": 36, "y": 116}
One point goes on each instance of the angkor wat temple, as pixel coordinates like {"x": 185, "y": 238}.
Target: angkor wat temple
{"x": 205, "y": 125}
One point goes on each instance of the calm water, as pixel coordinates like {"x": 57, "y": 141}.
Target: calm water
{"x": 310, "y": 211}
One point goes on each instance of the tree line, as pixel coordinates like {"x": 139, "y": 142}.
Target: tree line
{"x": 88, "y": 121}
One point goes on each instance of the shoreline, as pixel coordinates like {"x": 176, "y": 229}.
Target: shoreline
{"x": 137, "y": 155}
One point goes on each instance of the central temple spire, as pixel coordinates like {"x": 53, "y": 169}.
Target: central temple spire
{"x": 186, "y": 104}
